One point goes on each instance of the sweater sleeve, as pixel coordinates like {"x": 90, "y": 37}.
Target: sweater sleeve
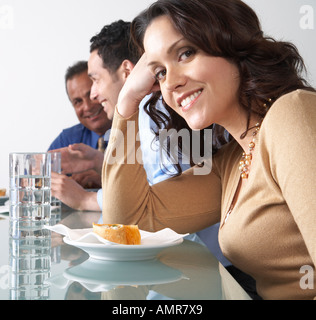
{"x": 186, "y": 203}
{"x": 290, "y": 140}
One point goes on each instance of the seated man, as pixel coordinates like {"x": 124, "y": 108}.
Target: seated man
{"x": 93, "y": 120}
{"x": 111, "y": 60}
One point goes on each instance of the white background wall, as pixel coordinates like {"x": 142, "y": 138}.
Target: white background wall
{"x": 39, "y": 39}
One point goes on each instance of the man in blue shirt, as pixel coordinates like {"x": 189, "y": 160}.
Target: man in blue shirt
{"x": 93, "y": 119}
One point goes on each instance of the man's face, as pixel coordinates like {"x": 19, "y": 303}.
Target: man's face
{"x": 89, "y": 113}
{"x": 106, "y": 86}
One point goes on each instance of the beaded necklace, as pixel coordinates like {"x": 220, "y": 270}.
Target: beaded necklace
{"x": 244, "y": 164}
{"x": 246, "y": 158}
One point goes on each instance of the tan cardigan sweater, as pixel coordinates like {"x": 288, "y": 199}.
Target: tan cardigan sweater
{"x": 271, "y": 233}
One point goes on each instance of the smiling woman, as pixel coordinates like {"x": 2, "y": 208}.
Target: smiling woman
{"x": 42, "y": 107}
{"x": 212, "y": 64}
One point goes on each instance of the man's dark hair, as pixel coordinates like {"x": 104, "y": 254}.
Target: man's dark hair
{"x": 76, "y": 69}
{"x": 114, "y": 46}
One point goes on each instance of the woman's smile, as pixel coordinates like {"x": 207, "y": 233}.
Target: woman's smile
{"x": 186, "y": 103}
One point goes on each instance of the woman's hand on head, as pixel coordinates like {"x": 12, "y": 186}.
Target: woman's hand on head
{"x": 139, "y": 83}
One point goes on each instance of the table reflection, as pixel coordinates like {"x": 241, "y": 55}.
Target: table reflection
{"x": 30, "y": 266}
{"x": 187, "y": 271}
{"x": 42, "y": 266}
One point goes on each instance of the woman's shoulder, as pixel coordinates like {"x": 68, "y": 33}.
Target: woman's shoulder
{"x": 292, "y": 111}
{"x": 293, "y": 102}
{"x": 291, "y": 119}
{"x": 299, "y": 95}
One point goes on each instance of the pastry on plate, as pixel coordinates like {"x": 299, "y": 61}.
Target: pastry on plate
{"x": 118, "y": 233}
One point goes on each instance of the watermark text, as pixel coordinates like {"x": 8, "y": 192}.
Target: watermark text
{"x": 307, "y": 280}
{"x": 307, "y": 17}
{"x": 122, "y": 148}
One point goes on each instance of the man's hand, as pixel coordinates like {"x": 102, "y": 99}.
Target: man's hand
{"x": 72, "y": 194}
{"x": 89, "y": 179}
{"x": 80, "y": 157}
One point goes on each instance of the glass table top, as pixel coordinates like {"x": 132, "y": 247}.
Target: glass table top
{"x": 47, "y": 268}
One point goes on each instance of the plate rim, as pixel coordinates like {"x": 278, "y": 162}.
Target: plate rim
{"x": 120, "y": 246}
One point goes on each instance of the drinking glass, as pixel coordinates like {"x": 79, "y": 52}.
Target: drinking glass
{"x": 55, "y": 203}
{"x": 30, "y": 194}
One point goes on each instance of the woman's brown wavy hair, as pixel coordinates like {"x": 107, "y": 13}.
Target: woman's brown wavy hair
{"x": 229, "y": 29}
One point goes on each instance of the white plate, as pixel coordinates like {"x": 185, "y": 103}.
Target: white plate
{"x": 122, "y": 252}
{"x": 108, "y": 274}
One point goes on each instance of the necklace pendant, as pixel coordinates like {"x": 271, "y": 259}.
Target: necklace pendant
{"x": 244, "y": 175}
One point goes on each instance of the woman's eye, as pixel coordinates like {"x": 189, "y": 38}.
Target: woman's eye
{"x": 186, "y": 54}
{"x": 160, "y": 75}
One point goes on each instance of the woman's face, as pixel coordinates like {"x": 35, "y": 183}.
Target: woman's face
{"x": 201, "y": 88}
